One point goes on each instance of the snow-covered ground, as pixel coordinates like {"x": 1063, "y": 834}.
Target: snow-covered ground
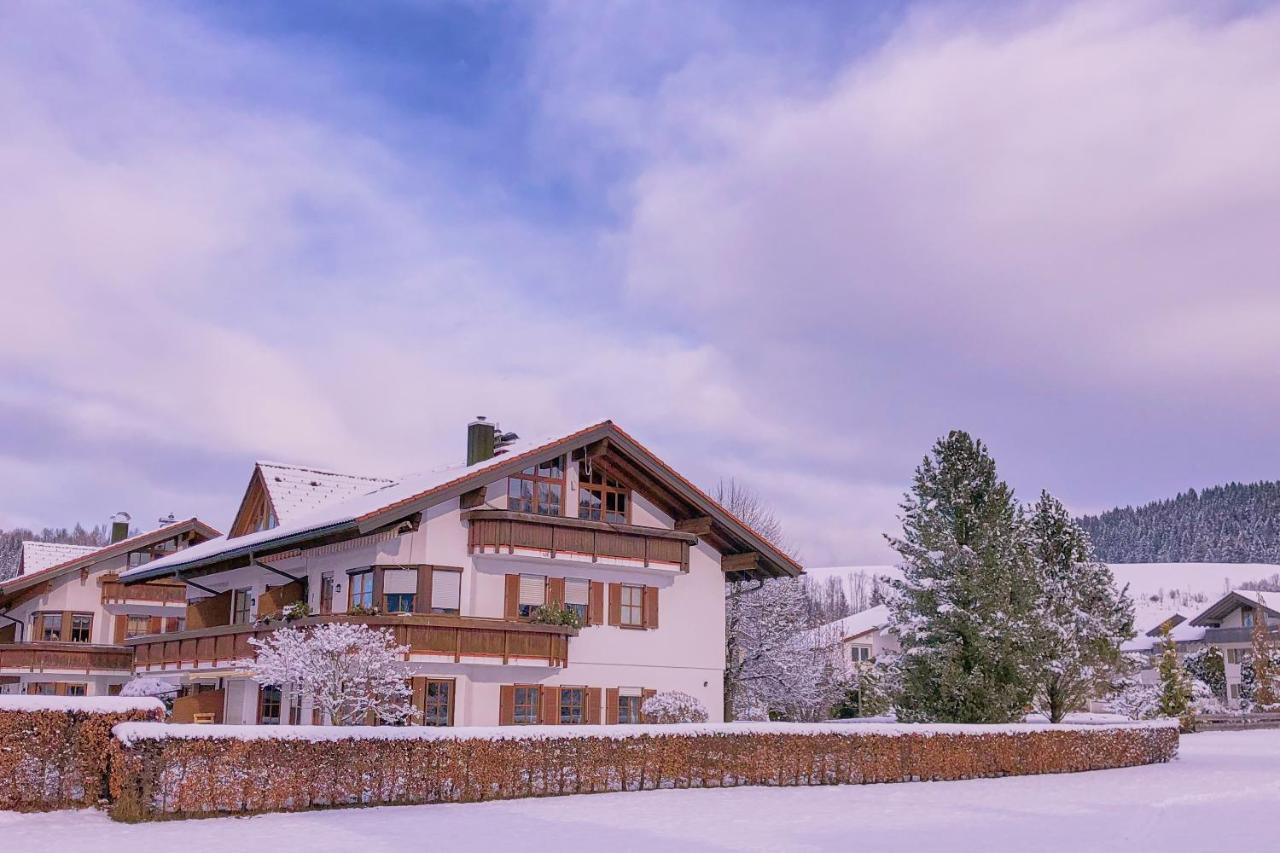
{"x": 1220, "y": 795}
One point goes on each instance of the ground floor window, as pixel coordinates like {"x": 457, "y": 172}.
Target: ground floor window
{"x": 573, "y": 703}
{"x": 860, "y": 654}
{"x": 76, "y": 690}
{"x": 437, "y": 703}
{"x": 295, "y": 709}
{"x": 269, "y": 706}
{"x": 41, "y": 688}
{"x": 629, "y": 705}
{"x": 527, "y": 701}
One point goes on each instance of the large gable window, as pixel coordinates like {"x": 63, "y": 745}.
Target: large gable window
{"x": 601, "y": 498}
{"x": 538, "y": 489}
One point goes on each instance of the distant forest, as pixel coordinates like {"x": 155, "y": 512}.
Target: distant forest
{"x": 1235, "y": 523}
{"x": 11, "y": 542}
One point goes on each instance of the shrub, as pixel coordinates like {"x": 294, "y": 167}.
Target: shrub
{"x": 673, "y": 707}
{"x": 553, "y": 614}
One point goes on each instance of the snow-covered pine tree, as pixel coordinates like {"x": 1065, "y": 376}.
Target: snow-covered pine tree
{"x": 1175, "y": 687}
{"x": 1081, "y": 617}
{"x": 1207, "y": 665}
{"x": 965, "y": 608}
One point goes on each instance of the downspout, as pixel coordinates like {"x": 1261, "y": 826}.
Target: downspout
{"x": 21, "y": 625}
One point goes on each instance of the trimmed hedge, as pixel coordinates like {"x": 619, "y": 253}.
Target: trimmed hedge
{"x": 54, "y": 755}
{"x": 155, "y": 774}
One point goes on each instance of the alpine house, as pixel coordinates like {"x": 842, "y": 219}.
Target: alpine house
{"x": 457, "y": 563}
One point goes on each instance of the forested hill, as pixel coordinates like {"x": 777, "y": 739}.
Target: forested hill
{"x": 1235, "y": 523}
{"x": 11, "y": 542}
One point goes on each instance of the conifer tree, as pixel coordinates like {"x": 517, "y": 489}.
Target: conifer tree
{"x": 1175, "y": 687}
{"x": 1082, "y": 617}
{"x": 965, "y": 607}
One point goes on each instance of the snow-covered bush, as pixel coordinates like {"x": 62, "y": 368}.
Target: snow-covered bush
{"x": 147, "y": 686}
{"x": 349, "y": 671}
{"x": 673, "y": 706}
{"x": 1204, "y": 700}
{"x": 1135, "y": 700}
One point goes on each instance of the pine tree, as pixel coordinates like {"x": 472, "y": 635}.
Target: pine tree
{"x": 1175, "y": 688}
{"x": 1207, "y": 665}
{"x": 1081, "y": 617}
{"x": 965, "y": 607}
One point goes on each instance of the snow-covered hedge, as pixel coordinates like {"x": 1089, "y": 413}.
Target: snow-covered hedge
{"x": 54, "y": 749}
{"x": 188, "y": 770}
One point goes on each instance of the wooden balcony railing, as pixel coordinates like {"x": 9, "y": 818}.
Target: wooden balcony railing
{"x": 78, "y": 657}
{"x": 456, "y": 636}
{"x": 160, "y": 592}
{"x": 500, "y": 531}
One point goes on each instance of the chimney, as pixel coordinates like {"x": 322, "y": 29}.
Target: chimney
{"x": 120, "y": 526}
{"x": 480, "y": 436}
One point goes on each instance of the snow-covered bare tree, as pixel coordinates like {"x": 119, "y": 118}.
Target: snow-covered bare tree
{"x": 965, "y": 608}
{"x": 1081, "y": 617}
{"x": 349, "y": 671}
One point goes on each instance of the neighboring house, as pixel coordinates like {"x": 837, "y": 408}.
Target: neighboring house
{"x": 456, "y": 563}
{"x": 64, "y": 619}
{"x": 1226, "y": 624}
{"x": 859, "y": 639}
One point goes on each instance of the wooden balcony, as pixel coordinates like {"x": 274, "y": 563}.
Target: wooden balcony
{"x": 462, "y": 639}
{"x": 157, "y": 592}
{"x": 64, "y": 657}
{"x": 502, "y": 532}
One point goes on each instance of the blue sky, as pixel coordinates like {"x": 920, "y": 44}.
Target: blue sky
{"x": 788, "y": 243}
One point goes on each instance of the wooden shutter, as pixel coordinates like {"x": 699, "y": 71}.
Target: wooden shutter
{"x": 555, "y": 591}
{"x": 611, "y": 706}
{"x": 37, "y": 628}
{"x": 592, "y": 715}
{"x": 595, "y": 604}
{"x": 60, "y": 688}
{"x": 511, "y": 608}
{"x": 651, "y": 607}
{"x": 121, "y": 628}
{"x": 645, "y": 694}
{"x": 422, "y": 598}
{"x": 550, "y": 715}
{"x": 419, "y": 693}
{"x": 507, "y": 705}
{"x": 615, "y": 604}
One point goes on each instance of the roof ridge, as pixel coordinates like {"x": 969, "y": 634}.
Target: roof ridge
{"x": 313, "y": 470}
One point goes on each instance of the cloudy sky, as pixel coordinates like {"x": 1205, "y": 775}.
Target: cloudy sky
{"x": 789, "y": 243}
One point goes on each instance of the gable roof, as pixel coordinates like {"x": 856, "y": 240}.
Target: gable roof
{"x": 97, "y": 555}
{"x": 38, "y": 556}
{"x": 393, "y": 502}
{"x": 296, "y": 490}
{"x": 1237, "y": 598}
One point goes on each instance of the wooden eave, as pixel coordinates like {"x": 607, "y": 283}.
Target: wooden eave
{"x": 256, "y": 495}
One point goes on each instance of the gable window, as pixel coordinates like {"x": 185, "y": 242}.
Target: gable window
{"x": 240, "y": 602}
{"x": 361, "y": 588}
{"x": 860, "y": 654}
{"x": 629, "y": 705}
{"x": 601, "y": 498}
{"x": 631, "y": 612}
{"x": 533, "y": 594}
{"x": 538, "y": 489}
{"x": 437, "y": 707}
{"x": 50, "y": 627}
{"x": 576, "y": 594}
{"x": 573, "y": 703}
{"x": 81, "y": 627}
{"x": 1246, "y": 617}
{"x": 527, "y": 702}
{"x": 139, "y": 558}
{"x": 446, "y": 591}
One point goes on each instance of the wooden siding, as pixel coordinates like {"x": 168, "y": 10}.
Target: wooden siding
{"x": 161, "y": 592}
{"x": 500, "y": 530}
{"x": 79, "y": 657}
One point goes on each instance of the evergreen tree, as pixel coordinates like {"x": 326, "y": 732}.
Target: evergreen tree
{"x": 1175, "y": 687}
{"x": 1081, "y": 617}
{"x": 965, "y": 608}
{"x": 1208, "y": 666}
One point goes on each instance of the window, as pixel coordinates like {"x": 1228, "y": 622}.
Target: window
{"x": 1246, "y": 617}
{"x": 527, "y": 700}
{"x": 631, "y": 613}
{"x": 437, "y": 704}
{"x": 860, "y": 654}
{"x": 139, "y": 558}
{"x": 137, "y": 626}
{"x": 629, "y": 705}
{"x": 240, "y": 599}
{"x": 326, "y": 593}
{"x": 446, "y": 591}
{"x": 269, "y": 706}
{"x": 533, "y": 594}
{"x": 601, "y": 498}
{"x": 50, "y": 627}
{"x": 361, "y": 590}
{"x": 42, "y": 688}
{"x": 295, "y": 709}
{"x": 1234, "y": 691}
{"x": 1235, "y": 656}
{"x": 573, "y": 702}
{"x": 81, "y": 627}
{"x": 76, "y": 690}
{"x": 538, "y": 489}
{"x": 400, "y": 602}
{"x": 576, "y": 593}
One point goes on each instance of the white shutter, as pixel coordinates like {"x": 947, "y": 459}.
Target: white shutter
{"x": 397, "y": 581}
{"x": 533, "y": 590}
{"x": 446, "y": 590}
{"x": 576, "y": 591}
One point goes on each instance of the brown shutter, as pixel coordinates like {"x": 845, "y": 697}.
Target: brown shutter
{"x": 593, "y": 706}
{"x": 121, "y": 628}
{"x": 550, "y": 706}
{"x": 170, "y": 624}
{"x": 611, "y": 706}
{"x": 379, "y": 603}
{"x": 645, "y": 694}
{"x": 422, "y": 598}
{"x": 507, "y": 705}
{"x": 37, "y": 628}
{"x": 60, "y": 688}
{"x": 651, "y": 607}
{"x": 155, "y": 625}
{"x": 595, "y": 604}
{"x": 615, "y": 604}
{"x": 555, "y": 591}
{"x": 65, "y": 636}
{"x": 511, "y": 609}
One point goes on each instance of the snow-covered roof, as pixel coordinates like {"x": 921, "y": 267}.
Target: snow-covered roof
{"x": 37, "y": 556}
{"x": 413, "y": 492}
{"x": 1184, "y": 632}
{"x": 1235, "y": 599}
{"x": 860, "y": 623}
{"x": 296, "y": 491}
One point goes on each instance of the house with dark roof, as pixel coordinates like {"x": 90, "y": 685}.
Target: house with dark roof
{"x": 65, "y": 617}
{"x": 461, "y": 564}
